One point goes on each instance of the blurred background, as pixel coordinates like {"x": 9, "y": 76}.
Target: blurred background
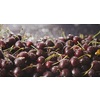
{"x": 53, "y": 30}
{"x": 68, "y": 28}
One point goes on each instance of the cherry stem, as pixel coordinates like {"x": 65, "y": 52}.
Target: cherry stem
{"x": 63, "y": 34}
{"x": 80, "y": 45}
{"x": 34, "y": 47}
{"x": 31, "y": 66}
{"x": 86, "y": 72}
{"x": 96, "y": 34}
{"x": 84, "y": 55}
{"x": 81, "y": 36}
{"x": 18, "y": 50}
{"x": 51, "y": 56}
{"x": 60, "y": 60}
{"x": 9, "y": 48}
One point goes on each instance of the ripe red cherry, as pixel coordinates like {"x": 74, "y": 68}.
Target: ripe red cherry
{"x": 41, "y": 59}
{"x": 49, "y": 64}
{"x": 29, "y": 43}
{"x": 65, "y": 73}
{"x": 23, "y": 54}
{"x": 79, "y": 52}
{"x": 76, "y": 39}
{"x": 65, "y": 63}
{"x": 74, "y": 61}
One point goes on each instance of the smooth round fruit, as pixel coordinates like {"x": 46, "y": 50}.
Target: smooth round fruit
{"x": 23, "y": 54}
{"x": 74, "y": 61}
{"x": 41, "y": 45}
{"x": 76, "y": 72}
{"x": 70, "y": 37}
{"x": 91, "y": 50}
{"x": 65, "y": 73}
{"x": 40, "y": 68}
{"x": 85, "y": 46}
{"x": 55, "y": 70}
{"x": 76, "y": 39}
{"x": 36, "y": 75}
{"x": 7, "y": 64}
{"x": 59, "y": 45}
{"x": 19, "y": 44}
{"x": 40, "y": 53}
{"x": 64, "y": 39}
{"x": 3, "y": 72}
{"x": 91, "y": 73}
{"x": 48, "y": 74}
{"x": 32, "y": 56}
{"x": 96, "y": 65}
{"x": 11, "y": 41}
{"x": 41, "y": 59}
{"x": 48, "y": 64}
{"x": 2, "y": 44}
{"x": 69, "y": 51}
{"x": 69, "y": 43}
{"x": 65, "y": 63}
{"x": 29, "y": 43}
{"x": 78, "y": 52}
{"x": 85, "y": 67}
{"x": 20, "y": 62}
{"x": 17, "y": 72}
{"x": 49, "y": 43}
{"x": 85, "y": 60}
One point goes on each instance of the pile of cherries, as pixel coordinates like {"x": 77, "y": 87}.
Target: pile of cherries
{"x": 68, "y": 56}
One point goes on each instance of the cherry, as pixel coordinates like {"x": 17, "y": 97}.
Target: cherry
{"x": 49, "y": 43}
{"x": 23, "y": 54}
{"x": 65, "y": 63}
{"x": 36, "y": 75}
{"x": 69, "y": 51}
{"x": 91, "y": 73}
{"x": 2, "y": 44}
{"x": 79, "y": 52}
{"x": 20, "y": 62}
{"x": 96, "y": 65}
{"x": 48, "y": 74}
{"x": 55, "y": 70}
{"x": 11, "y": 41}
{"x": 64, "y": 39}
{"x": 69, "y": 43}
{"x": 76, "y": 39}
{"x": 19, "y": 44}
{"x": 65, "y": 73}
{"x": 91, "y": 49}
{"x": 74, "y": 61}
{"x": 29, "y": 43}
{"x": 3, "y": 72}
{"x": 49, "y": 64}
{"x": 7, "y": 64}
{"x": 76, "y": 72}
{"x": 32, "y": 56}
{"x": 40, "y": 53}
{"x": 41, "y": 59}
{"x": 59, "y": 45}
{"x": 17, "y": 72}
{"x": 70, "y": 37}
{"x": 85, "y": 60}
{"x": 41, "y": 45}
{"x": 40, "y": 68}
